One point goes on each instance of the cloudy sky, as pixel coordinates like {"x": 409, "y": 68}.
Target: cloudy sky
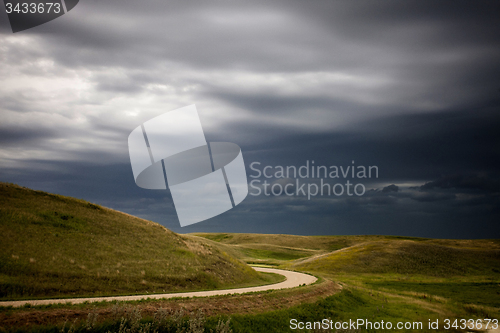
{"x": 412, "y": 87}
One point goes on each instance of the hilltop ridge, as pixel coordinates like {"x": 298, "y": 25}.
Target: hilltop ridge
{"x": 57, "y": 246}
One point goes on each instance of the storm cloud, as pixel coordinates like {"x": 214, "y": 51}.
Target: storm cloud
{"x": 411, "y": 87}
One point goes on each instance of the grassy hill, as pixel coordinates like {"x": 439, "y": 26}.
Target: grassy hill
{"x": 462, "y": 274}
{"x": 365, "y": 254}
{"x": 411, "y": 257}
{"x": 56, "y": 246}
{"x": 276, "y": 250}
{"x": 389, "y": 278}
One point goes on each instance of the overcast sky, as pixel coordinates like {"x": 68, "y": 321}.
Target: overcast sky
{"x": 412, "y": 87}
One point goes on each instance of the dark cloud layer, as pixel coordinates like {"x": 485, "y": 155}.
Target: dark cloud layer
{"x": 409, "y": 86}
{"x": 479, "y": 183}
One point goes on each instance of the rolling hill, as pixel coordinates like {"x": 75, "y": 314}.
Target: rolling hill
{"x": 366, "y": 254}
{"x": 424, "y": 257}
{"x": 57, "y": 246}
{"x": 462, "y": 274}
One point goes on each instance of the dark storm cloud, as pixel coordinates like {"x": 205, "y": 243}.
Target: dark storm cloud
{"x": 414, "y": 39}
{"x": 411, "y": 87}
{"x": 19, "y": 135}
{"x": 465, "y": 182}
{"x": 383, "y": 200}
{"x": 376, "y": 40}
{"x": 390, "y": 188}
{"x": 432, "y": 197}
{"x": 419, "y": 147}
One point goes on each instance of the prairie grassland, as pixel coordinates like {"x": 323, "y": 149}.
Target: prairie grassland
{"x": 56, "y": 246}
{"x": 426, "y": 278}
{"x": 62, "y": 246}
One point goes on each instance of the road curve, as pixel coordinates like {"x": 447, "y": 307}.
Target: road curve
{"x": 293, "y": 279}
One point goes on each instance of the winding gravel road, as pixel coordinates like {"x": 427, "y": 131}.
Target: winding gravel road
{"x": 293, "y": 279}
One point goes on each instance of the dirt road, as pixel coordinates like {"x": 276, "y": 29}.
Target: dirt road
{"x": 293, "y": 279}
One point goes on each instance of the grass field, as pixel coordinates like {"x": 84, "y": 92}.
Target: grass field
{"x": 95, "y": 250}
{"x": 412, "y": 279}
{"x": 56, "y": 246}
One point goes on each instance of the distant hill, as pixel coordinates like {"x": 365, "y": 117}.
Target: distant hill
{"x": 366, "y": 254}
{"x": 445, "y": 258}
{"x": 57, "y": 246}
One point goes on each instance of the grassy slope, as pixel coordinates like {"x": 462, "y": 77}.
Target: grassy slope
{"x": 366, "y": 254}
{"x": 410, "y": 278}
{"x": 384, "y": 277}
{"x": 429, "y": 258}
{"x": 277, "y": 250}
{"x": 462, "y": 274}
{"x": 55, "y": 246}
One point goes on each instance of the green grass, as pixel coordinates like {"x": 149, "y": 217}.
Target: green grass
{"x": 311, "y": 243}
{"x": 278, "y": 253}
{"x": 481, "y": 293}
{"x": 426, "y": 278}
{"x": 56, "y": 246}
{"x": 453, "y": 273}
{"x": 274, "y": 250}
{"x": 51, "y": 238}
{"x": 325, "y": 243}
{"x": 408, "y": 257}
{"x": 348, "y": 304}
